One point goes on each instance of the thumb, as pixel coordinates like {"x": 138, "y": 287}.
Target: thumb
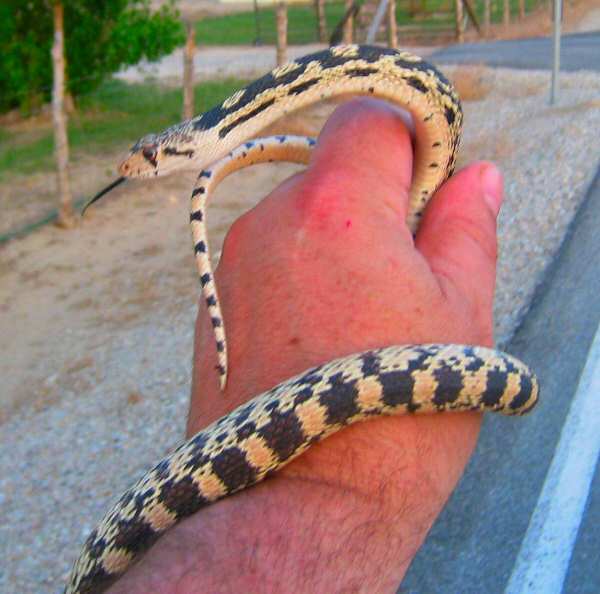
{"x": 457, "y": 237}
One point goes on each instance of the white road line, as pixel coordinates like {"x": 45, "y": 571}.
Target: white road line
{"x": 543, "y": 559}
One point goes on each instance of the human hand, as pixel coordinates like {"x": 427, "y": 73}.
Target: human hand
{"x": 324, "y": 267}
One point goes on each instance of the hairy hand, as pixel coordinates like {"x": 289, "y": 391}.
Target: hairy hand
{"x": 324, "y": 267}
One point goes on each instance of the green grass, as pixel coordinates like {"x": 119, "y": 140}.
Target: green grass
{"x": 497, "y": 10}
{"x": 110, "y": 118}
{"x": 240, "y": 28}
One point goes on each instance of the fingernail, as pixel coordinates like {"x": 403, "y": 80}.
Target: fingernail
{"x": 491, "y": 183}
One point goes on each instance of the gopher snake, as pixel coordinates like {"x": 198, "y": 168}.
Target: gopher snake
{"x": 275, "y": 427}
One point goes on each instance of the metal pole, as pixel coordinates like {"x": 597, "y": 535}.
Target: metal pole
{"x": 556, "y": 62}
{"x": 377, "y": 20}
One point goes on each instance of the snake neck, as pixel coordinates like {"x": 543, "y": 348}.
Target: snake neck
{"x": 399, "y": 77}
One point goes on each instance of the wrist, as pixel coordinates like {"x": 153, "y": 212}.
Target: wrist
{"x": 348, "y": 516}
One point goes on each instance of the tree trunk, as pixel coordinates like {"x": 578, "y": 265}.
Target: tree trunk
{"x": 392, "y": 27}
{"x": 521, "y": 9}
{"x": 321, "y": 22}
{"x": 66, "y": 217}
{"x": 486, "y": 17}
{"x": 188, "y": 71}
{"x": 460, "y": 22}
{"x": 282, "y": 26}
{"x": 506, "y": 16}
{"x": 349, "y": 24}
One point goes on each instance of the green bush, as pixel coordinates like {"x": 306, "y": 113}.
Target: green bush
{"x": 100, "y": 38}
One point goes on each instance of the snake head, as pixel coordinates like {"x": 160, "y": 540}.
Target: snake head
{"x": 156, "y": 155}
{"x": 144, "y": 159}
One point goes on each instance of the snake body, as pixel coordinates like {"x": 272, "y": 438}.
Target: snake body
{"x": 273, "y": 428}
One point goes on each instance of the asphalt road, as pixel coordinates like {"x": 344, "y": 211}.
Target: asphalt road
{"x": 473, "y": 547}
{"x": 579, "y": 51}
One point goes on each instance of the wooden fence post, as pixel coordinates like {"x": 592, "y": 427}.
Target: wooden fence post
{"x": 392, "y": 26}
{"x": 321, "y": 22}
{"x": 61, "y": 143}
{"x": 460, "y": 22}
{"x": 188, "y": 71}
{"x": 282, "y": 26}
{"x": 506, "y": 15}
{"x": 349, "y": 24}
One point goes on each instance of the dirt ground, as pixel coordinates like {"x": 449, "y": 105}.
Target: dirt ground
{"x": 97, "y": 322}
{"x": 129, "y": 258}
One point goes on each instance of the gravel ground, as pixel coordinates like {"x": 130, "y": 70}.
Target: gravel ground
{"x": 105, "y": 419}
{"x": 590, "y": 22}
{"x": 223, "y": 62}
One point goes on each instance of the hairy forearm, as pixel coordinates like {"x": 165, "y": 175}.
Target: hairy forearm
{"x": 348, "y": 518}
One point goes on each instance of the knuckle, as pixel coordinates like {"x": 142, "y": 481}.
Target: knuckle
{"x": 235, "y": 239}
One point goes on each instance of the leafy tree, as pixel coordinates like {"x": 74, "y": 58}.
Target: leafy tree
{"x": 101, "y": 37}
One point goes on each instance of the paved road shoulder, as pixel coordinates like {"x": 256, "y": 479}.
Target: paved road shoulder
{"x": 473, "y": 546}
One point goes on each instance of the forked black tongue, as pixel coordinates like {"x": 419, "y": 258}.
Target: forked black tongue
{"x": 101, "y": 193}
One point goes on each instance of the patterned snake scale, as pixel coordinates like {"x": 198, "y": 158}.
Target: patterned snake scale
{"x": 261, "y": 436}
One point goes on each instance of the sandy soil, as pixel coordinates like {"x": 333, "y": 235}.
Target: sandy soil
{"x": 128, "y": 259}
{"x": 590, "y": 20}
{"x": 97, "y": 322}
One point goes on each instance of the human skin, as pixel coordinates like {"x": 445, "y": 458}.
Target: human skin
{"x": 324, "y": 267}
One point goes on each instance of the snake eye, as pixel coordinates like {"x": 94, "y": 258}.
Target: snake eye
{"x": 149, "y": 153}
